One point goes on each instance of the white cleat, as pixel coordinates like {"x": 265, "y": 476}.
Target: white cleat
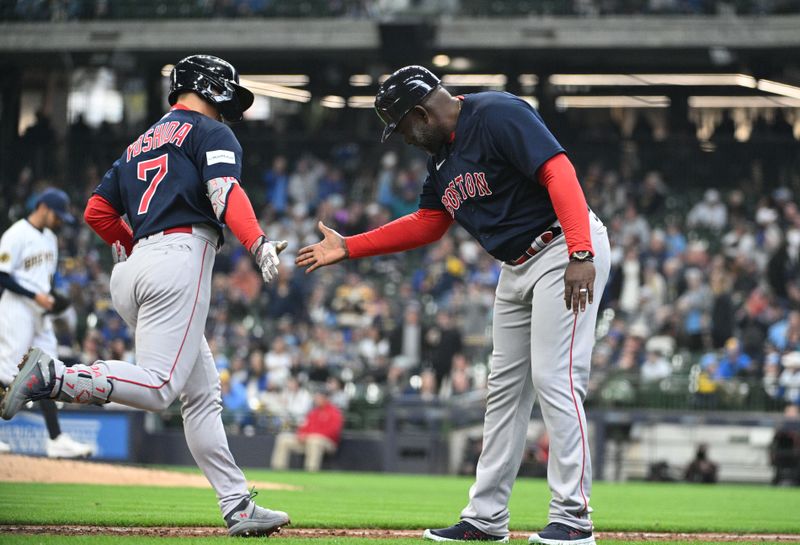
{"x": 65, "y": 446}
{"x": 4, "y": 447}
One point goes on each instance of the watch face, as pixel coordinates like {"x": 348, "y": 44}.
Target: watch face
{"x": 582, "y": 255}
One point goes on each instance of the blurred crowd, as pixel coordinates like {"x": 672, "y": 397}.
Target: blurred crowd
{"x": 65, "y": 10}
{"x": 702, "y": 306}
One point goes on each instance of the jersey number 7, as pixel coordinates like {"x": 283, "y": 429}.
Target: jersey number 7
{"x": 161, "y": 166}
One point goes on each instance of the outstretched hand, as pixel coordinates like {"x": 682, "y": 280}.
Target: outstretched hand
{"x": 331, "y": 249}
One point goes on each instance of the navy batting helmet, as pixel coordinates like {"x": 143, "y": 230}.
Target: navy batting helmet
{"x": 403, "y": 90}
{"x": 213, "y": 79}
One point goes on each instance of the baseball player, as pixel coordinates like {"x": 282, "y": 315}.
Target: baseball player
{"x": 28, "y": 260}
{"x": 178, "y": 183}
{"x": 496, "y": 169}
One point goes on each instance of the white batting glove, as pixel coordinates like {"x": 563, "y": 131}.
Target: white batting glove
{"x": 118, "y": 253}
{"x": 266, "y": 256}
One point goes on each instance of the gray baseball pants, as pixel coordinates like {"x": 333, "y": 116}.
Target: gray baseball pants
{"x": 163, "y": 293}
{"x": 541, "y": 351}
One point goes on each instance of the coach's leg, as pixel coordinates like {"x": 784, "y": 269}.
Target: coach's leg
{"x": 508, "y": 410}
{"x": 202, "y": 423}
{"x": 561, "y": 346}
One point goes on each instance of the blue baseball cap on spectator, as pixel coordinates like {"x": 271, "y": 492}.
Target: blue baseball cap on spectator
{"x": 57, "y": 201}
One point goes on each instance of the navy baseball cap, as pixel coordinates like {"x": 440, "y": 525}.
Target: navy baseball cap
{"x": 401, "y": 91}
{"x": 57, "y": 201}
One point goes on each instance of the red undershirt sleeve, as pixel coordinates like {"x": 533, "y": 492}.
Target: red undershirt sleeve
{"x": 558, "y": 176}
{"x": 104, "y": 220}
{"x": 411, "y": 231}
{"x": 240, "y": 217}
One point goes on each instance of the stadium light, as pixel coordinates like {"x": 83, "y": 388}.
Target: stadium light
{"x": 360, "y": 80}
{"x": 276, "y": 91}
{"x": 743, "y": 102}
{"x": 361, "y": 101}
{"x": 567, "y": 102}
{"x": 441, "y": 60}
{"x": 528, "y": 80}
{"x": 288, "y": 80}
{"x": 779, "y": 88}
{"x": 332, "y": 101}
{"x": 635, "y": 80}
{"x": 475, "y": 80}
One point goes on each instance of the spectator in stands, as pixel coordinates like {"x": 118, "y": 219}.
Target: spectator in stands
{"x": 655, "y": 368}
{"x": 234, "y": 399}
{"x": 772, "y": 375}
{"x": 635, "y": 229}
{"x": 276, "y": 185}
{"x": 336, "y": 394}
{"x": 705, "y": 395}
{"x": 331, "y": 184}
{"x": 291, "y": 404}
{"x": 303, "y": 183}
{"x": 441, "y": 342}
{"x": 710, "y": 213}
{"x": 790, "y": 378}
{"x": 256, "y": 384}
{"x": 734, "y": 362}
{"x": 386, "y": 179}
{"x": 694, "y": 306}
{"x": 785, "y": 334}
{"x": 406, "y": 339}
{"x": 278, "y": 362}
{"x": 701, "y": 469}
{"x": 318, "y": 435}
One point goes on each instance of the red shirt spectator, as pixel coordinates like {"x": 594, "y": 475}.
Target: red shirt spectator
{"x": 324, "y": 419}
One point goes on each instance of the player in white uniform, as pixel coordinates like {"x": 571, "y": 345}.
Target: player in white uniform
{"x": 28, "y": 260}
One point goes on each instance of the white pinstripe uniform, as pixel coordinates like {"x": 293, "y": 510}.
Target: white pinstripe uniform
{"x": 30, "y": 256}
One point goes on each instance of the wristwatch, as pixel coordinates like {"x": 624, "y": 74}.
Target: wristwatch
{"x": 582, "y": 256}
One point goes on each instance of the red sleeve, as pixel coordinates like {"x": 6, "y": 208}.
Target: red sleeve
{"x": 412, "y": 231}
{"x": 104, "y": 220}
{"x": 241, "y": 218}
{"x": 558, "y": 176}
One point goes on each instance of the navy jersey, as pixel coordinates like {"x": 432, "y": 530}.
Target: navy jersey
{"x": 160, "y": 180}
{"x": 486, "y": 178}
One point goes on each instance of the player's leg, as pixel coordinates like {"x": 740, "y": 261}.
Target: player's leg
{"x": 202, "y": 422}
{"x": 508, "y": 408}
{"x": 166, "y": 286}
{"x": 285, "y": 443}
{"x": 58, "y": 445}
{"x": 561, "y": 347}
{"x": 201, "y": 407}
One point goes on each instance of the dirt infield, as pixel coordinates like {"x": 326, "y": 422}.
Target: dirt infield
{"x": 365, "y": 533}
{"x": 29, "y": 469}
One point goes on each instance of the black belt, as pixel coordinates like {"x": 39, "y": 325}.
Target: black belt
{"x": 537, "y": 245}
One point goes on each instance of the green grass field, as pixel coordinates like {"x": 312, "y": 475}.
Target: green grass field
{"x": 360, "y": 500}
